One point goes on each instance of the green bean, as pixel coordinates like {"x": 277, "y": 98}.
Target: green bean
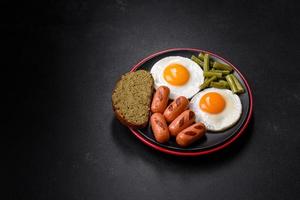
{"x": 224, "y": 82}
{"x": 223, "y": 78}
{"x": 206, "y": 62}
{"x": 197, "y": 60}
{"x": 238, "y": 84}
{"x": 210, "y": 74}
{"x": 221, "y": 85}
{"x": 207, "y": 82}
{"x": 231, "y": 84}
{"x": 221, "y": 66}
{"x": 224, "y": 72}
{"x": 201, "y": 57}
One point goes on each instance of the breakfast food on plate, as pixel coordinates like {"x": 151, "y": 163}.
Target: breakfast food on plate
{"x": 190, "y": 134}
{"x": 209, "y": 82}
{"x": 176, "y": 108}
{"x": 217, "y": 109}
{"x": 181, "y": 75}
{"x": 131, "y": 98}
{"x": 181, "y": 122}
{"x": 217, "y": 74}
{"x": 159, "y": 127}
{"x": 160, "y": 99}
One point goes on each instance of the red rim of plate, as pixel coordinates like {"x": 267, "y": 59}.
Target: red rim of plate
{"x": 213, "y": 149}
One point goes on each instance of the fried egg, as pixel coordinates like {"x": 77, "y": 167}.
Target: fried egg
{"x": 181, "y": 75}
{"x": 217, "y": 109}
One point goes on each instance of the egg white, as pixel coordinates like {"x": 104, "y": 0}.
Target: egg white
{"x": 221, "y": 121}
{"x": 190, "y": 88}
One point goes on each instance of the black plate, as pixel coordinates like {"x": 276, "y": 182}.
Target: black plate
{"x": 212, "y": 139}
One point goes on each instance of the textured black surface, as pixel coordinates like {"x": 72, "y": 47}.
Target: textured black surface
{"x": 64, "y": 58}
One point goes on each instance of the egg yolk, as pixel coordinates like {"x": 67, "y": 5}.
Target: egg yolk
{"x": 212, "y": 102}
{"x": 176, "y": 74}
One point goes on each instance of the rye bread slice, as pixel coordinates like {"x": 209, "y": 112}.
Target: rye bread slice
{"x": 131, "y": 98}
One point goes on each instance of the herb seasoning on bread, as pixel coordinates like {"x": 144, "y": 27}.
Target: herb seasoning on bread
{"x": 131, "y": 98}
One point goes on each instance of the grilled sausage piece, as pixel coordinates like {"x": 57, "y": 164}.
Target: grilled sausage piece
{"x": 176, "y": 108}
{"x": 181, "y": 122}
{"x": 160, "y": 99}
{"x": 159, "y": 127}
{"x": 190, "y": 134}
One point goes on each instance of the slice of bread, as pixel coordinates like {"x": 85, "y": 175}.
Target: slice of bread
{"x": 131, "y": 98}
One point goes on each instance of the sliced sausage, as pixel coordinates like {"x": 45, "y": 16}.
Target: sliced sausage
{"x": 190, "y": 134}
{"x": 159, "y": 127}
{"x": 181, "y": 122}
{"x": 160, "y": 99}
{"x": 176, "y": 108}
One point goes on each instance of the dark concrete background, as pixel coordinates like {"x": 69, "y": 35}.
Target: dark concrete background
{"x": 63, "y": 58}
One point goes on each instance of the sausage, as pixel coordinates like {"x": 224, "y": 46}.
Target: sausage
{"x": 159, "y": 127}
{"x": 181, "y": 122}
{"x": 160, "y": 99}
{"x": 190, "y": 134}
{"x": 176, "y": 108}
